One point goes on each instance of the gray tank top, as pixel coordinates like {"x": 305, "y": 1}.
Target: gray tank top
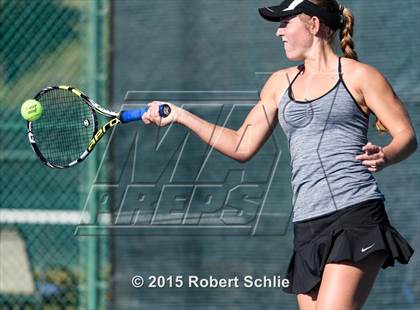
{"x": 324, "y": 136}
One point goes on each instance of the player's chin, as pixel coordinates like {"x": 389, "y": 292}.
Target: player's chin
{"x": 293, "y": 55}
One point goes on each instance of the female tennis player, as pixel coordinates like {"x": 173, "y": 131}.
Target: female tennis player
{"x": 342, "y": 235}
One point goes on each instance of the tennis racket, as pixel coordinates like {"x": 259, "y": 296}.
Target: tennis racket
{"x": 68, "y": 130}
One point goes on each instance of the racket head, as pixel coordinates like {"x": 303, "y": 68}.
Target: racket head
{"x": 60, "y": 137}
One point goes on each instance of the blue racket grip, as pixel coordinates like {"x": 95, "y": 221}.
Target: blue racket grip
{"x": 136, "y": 115}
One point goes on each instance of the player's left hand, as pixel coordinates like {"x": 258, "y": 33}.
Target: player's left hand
{"x": 374, "y": 157}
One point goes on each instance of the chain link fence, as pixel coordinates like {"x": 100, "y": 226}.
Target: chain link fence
{"x": 42, "y": 264}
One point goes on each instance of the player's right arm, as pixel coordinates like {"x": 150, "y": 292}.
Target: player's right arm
{"x": 241, "y": 144}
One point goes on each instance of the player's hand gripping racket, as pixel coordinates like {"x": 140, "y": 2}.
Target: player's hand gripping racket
{"x": 67, "y": 131}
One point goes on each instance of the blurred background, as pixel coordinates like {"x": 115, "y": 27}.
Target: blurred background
{"x": 212, "y": 56}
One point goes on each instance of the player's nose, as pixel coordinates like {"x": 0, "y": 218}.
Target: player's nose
{"x": 280, "y": 32}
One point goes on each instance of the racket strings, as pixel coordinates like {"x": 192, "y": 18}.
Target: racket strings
{"x": 65, "y": 128}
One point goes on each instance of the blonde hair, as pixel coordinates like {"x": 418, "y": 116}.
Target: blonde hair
{"x": 345, "y": 36}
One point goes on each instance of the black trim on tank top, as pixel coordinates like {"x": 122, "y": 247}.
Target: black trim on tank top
{"x": 300, "y": 68}
{"x": 340, "y": 73}
{"x": 354, "y": 100}
{"x": 340, "y": 79}
{"x": 312, "y": 100}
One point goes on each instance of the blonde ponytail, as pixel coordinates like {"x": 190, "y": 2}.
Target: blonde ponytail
{"x": 346, "y": 33}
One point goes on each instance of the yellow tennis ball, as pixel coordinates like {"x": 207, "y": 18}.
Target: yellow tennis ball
{"x": 31, "y": 110}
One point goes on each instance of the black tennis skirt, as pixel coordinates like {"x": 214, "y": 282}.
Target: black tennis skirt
{"x": 348, "y": 234}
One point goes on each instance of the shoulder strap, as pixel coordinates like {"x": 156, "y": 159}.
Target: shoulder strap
{"x": 340, "y": 71}
{"x": 300, "y": 68}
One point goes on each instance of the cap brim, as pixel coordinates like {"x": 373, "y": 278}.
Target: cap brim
{"x": 275, "y": 13}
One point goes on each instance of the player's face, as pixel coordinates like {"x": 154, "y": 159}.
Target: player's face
{"x": 296, "y": 37}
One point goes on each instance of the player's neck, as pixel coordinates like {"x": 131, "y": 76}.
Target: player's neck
{"x": 321, "y": 59}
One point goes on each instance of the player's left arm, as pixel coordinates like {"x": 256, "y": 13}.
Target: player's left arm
{"x": 381, "y": 99}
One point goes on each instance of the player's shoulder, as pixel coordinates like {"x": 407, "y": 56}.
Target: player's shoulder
{"x": 278, "y": 82}
{"x": 281, "y": 78}
{"x": 358, "y": 70}
{"x": 287, "y": 73}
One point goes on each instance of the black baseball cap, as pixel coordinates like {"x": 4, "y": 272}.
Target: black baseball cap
{"x": 294, "y": 7}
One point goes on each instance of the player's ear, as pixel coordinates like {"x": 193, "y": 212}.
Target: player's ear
{"x": 314, "y": 25}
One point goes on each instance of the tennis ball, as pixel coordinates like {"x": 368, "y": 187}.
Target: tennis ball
{"x": 31, "y": 110}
